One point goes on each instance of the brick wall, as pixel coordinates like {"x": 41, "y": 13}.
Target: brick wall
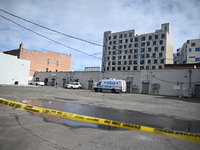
{"x": 39, "y": 61}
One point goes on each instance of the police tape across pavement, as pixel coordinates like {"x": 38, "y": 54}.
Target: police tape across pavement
{"x": 182, "y": 135}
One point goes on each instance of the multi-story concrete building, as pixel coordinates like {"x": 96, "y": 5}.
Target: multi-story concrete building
{"x": 190, "y": 51}
{"x": 177, "y": 56}
{"x": 49, "y": 61}
{"x": 129, "y": 50}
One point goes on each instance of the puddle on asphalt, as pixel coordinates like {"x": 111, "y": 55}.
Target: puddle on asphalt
{"x": 127, "y": 116}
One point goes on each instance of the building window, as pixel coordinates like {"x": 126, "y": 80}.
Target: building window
{"x": 130, "y": 34}
{"x": 108, "y": 63}
{"x": 48, "y": 61}
{"x": 142, "y": 50}
{"x": 149, "y": 61}
{"x": 124, "y": 68}
{"x": 126, "y": 51}
{"x": 131, "y": 40}
{"x": 47, "y": 69}
{"x": 114, "y": 42}
{"x": 135, "y": 50}
{"x": 162, "y": 61}
{"x": 114, "y": 52}
{"x": 193, "y": 44}
{"x": 119, "y": 62}
{"x": 125, "y": 35}
{"x": 130, "y": 45}
{"x": 135, "y": 68}
{"x": 114, "y": 47}
{"x": 124, "y": 57}
{"x": 109, "y": 37}
{"x": 141, "y": 61}
{"x": 155, "y": 61}
{"x": 125, "y": 62}
{"x": 120, "y": 46}
{"x": 149, "y": 49}
{"x": 160, "y": 54}
{"x": 162, "y": 48}
{"x": 136, "y": 39}
{"x": 135, "y": 56}
{"x": 109, "y": 53}
{"x": 121, "y": 36}
{"x": 113, "y": 68}
{"x": 142, "y": 56}
{"x": 115, "y": 37}
{"x": 131, "y": 51}
{"x": 154, "y": 55}
{"x": 113, "y": 58}
{"x": 156, "y": 36}
{"x": 147, "y": 55}
{"x": 126, "y": 40}
{"x": 124, "y": 46}
{"x": 142, "y": 44}
{"x": 120, "y": 41}
{"x": 153, "y": 67}
{"x": 119, "y": 52}
{"x": 136, "y": 44}
{"x": 113, "y": 63}
{"x": 110, "y": 43}
{"x": 160, "y": 67}
{"x": 155, "y": 49}
{"x": 129, "y": 68}
{"x": 162, "y": 36}
{"x": 161, "y": 42}
{"x": 197, "y": 49}
{"x": 108, "y": 58}
{"x": 107, "y": 68}
{"x": 135, "y": 62}
{"x": 141, "y": 67}
{"x": 190, "y": 50}
{"x": 119, "y": 68}
{"x": 119, "y": 57}
{"x": 147, "y": 67}
{"x": 143, "y": 38}
{"x": 154, "y": 42}
{"x": 130, "y": 62}
{"x": 57, "y": 63}
{"x": 197, "y": 59}
{"x": 150, "y": 37}
{"x": 129, "y": 56}
{"x": 148, "y": 43}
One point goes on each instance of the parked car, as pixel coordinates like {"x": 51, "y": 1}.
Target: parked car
{"x": 36, "y": 83}
{"x": 73, "y": 85}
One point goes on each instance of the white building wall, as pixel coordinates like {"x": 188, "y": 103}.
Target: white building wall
{"x": 173, "y": 82}
{"x": 13, "y": 70}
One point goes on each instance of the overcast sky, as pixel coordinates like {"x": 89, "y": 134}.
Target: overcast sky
{"x": 89, "y": 19}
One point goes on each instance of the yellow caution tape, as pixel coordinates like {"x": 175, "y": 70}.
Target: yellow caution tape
{"x": 182, "y": 135}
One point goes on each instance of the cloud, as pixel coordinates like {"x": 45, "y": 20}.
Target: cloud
{"x": 89, "y": 19}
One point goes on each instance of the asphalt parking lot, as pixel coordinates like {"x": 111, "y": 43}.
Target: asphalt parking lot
{"x": 20, "y": 129}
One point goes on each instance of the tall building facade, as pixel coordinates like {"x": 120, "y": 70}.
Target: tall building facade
{"x": 45, "y": 62}
{"x": 190, "y": 52}
{"x": 129, "y": 50}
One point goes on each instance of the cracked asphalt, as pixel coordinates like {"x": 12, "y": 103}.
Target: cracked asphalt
{"x": 20, "y": 130}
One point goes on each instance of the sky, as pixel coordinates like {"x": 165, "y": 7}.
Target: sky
{"x": 88, "y": 20}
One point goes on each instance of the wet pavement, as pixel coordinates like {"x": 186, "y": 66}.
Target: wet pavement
{"x": 127, "y": 116}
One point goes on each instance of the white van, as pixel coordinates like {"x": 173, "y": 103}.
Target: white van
{"x": 110, "y": 85}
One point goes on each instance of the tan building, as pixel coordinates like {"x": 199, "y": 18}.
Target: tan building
{"x": 190, "y": 51}
{"x": 129, "y": 50}
{"x": 45, "y": 62}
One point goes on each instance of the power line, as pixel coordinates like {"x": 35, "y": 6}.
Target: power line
{"x": 51, "y": 29}
{"x": 50, "y": 38}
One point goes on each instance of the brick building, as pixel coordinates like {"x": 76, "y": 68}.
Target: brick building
{"x": 49, "y": 61}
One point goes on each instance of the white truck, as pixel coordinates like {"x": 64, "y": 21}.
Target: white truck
{"x": 112, "y": 85}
